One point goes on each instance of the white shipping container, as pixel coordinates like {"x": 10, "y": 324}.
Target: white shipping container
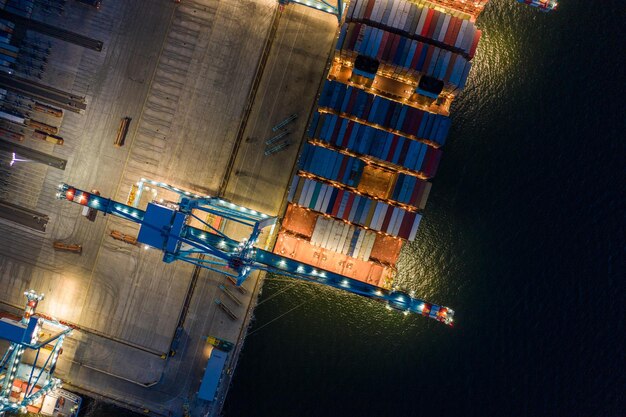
{"x": 317, "y": 229}
{"x": 325, "y": 233}
{"x": 359, "y": 243}
{"x": 384, "y": 11}
{"x": 307, "y": 192}
{"x": 375, "y": 11}
{"x": 392, "y": 221}
{"x": 398, "y": 223}
{"x": 467, "y": 42}
{"x": 336, "y": 235}
{"x": 327, "y": 197}
{"x": 420, "y": 25}
{"x": 459, "y": 39}
{"x": 393, "y": 18}
{"x": 342, "y": 241}
{"x": 376, "y": 216}
{"x": 405, "y": 16}
{"x": 369, "y": 244}
{"x": 12, "y": 118}
{"x": 444, "y": 28}
{"x": 416, "y": 224}
{"x": 381, "y": 216}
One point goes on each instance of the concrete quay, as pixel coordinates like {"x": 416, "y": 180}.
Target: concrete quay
{"x": 204, "y": 81}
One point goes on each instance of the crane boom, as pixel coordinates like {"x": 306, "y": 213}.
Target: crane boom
{"x": 167, "y": 229}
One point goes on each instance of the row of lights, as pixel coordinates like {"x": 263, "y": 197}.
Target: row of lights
{"x": 343, "y": 186}
{"x": 349, "y": 222}
{"x": 348, "y": 116}
{"x": 370, "y": 160}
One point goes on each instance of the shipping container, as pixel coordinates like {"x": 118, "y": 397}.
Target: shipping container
{"x": 385, "y": 114}
{"x": 13, "y": 118}
{"x": 448, "y": 29}
{"x": 406, "y": 65}
{"x": 367, "y": 141}
{"x": 355, "y": 209}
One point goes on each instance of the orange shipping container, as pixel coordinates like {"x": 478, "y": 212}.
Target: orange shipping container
{"x": 299, "y": 221}
{"x": 386, "y": 249}
{"x": 376, "y": 182}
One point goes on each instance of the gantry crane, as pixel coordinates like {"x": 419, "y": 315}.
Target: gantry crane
{"x": 29, "y": 362}
{"x": 167, "y": 228}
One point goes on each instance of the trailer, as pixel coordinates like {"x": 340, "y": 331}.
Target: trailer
{"x": 212, "y": 375}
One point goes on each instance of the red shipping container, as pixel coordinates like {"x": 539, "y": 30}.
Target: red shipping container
{"x": 475, "y": 44}
{"x": 446, "y": 77}
{"x": 392, "y": 148}
{"x": 346, "y": 212}
{"x": 416, "y": 195}
{"x": 346, "y": 137}
{"x": 383, "y": 46}
{"x": 404, "y": 151}
{"x": 351, "y": 102}
{"x": 429, "y": 56}
{"x": 356, "y": 33}
{"x": 417, "y": 122}
{"x": 387, "y": 219}
{"x": 333, "y": 137}
{"x": 342, "y": 168}
{"x": 429, "y": 18}
{"x": 337, "y": 204}
{"x": 435, "y": 162}
{"x": 416, "y": 57}
{"x": 451, "y": 25}
{"x": 428, "y": 162}
{"x": 407, "y": 225}
{"x": 368, "y": 107}
{"x": 394, "y": 48}
{"x": 390, "y": 39}
{"x": 368, "y": 9}
{"x": 433, "y": 24}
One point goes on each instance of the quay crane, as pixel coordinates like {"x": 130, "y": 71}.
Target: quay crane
{"x": 26, "y": 369}
{"x": 167, "y": 229}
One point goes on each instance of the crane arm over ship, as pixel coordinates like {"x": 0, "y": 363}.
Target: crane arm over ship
{"x": 168, "y": 229}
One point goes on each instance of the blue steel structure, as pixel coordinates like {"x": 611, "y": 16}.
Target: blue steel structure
{"x": 321, "y": 5}
{"x": 23, "y": 337}
{"x": 168, "y": 230}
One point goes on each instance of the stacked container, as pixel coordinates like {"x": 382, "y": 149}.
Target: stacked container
{"x": 338, "y": 168}
{"x": 367, "y": 141}
{"x": 376, "y": 111}
{"x": 8, "y": 52}
{"x": 363, "y": 176}
{"x": 418, "y": 22}
{"x": 353, "y": 208}
{"x": 403, "y": 57}
{"x": 343, "y": 238}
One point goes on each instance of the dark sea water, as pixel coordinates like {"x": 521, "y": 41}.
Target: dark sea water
{"x": 523, "y": 236}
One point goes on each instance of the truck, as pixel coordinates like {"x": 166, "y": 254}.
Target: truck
{"x": 212, "y": 375}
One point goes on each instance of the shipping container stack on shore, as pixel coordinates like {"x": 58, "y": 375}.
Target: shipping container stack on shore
{"x": 25, "y": 54}
{"x": 363, "y": 177}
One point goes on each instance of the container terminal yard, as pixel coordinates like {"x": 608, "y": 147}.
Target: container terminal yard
{"x": 176, "y": 128}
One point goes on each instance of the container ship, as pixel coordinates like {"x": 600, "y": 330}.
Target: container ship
{"x": 374, "y": 141}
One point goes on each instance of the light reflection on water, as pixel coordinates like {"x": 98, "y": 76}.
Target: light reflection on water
{"x": 516, "y": 237}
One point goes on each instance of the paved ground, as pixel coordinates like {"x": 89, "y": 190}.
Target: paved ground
{"x": 184, "y": 74}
